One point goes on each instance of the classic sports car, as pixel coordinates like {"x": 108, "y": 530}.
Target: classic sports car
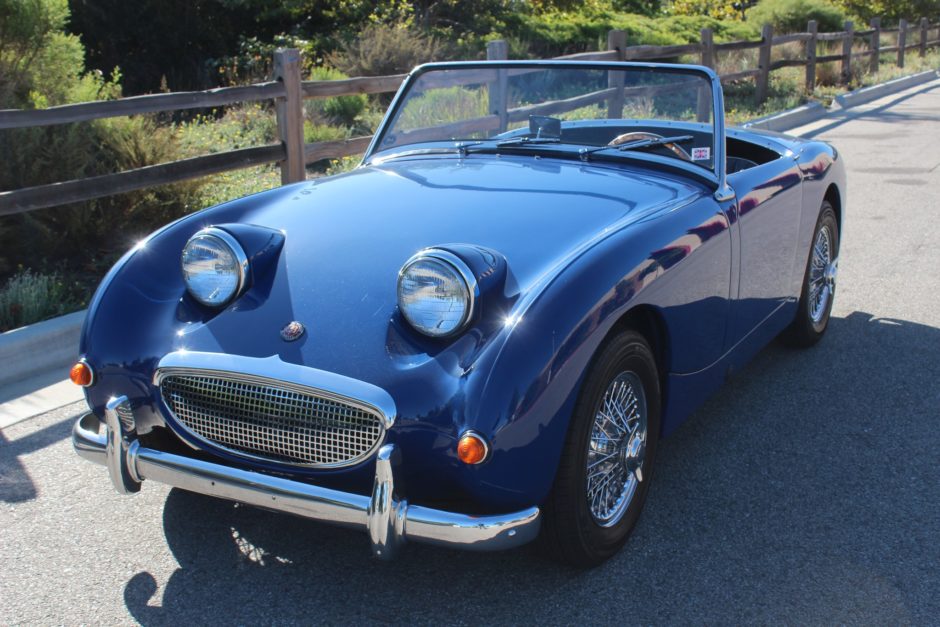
{"x": 480, "y": 334}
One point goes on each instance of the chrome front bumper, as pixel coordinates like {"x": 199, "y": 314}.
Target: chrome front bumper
{"x": 387, "y": 516}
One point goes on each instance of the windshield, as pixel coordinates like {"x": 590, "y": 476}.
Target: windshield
{"x": 607, "y": 109}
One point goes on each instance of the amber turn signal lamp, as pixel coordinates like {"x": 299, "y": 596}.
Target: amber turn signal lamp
{"x": 472, "y": 448}
{"x": 81, "y": 374}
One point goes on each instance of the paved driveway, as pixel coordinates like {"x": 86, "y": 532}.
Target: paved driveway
{"x": 807, "y": 490}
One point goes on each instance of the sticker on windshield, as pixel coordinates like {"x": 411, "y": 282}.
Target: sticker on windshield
{"x": 701, "y": 154}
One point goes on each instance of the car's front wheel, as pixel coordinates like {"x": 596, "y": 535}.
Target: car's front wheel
{"x": 607, "y": 463}
{"x": 819, "y": 282}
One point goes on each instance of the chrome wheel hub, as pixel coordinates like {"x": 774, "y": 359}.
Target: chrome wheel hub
{"x": 822, "y": 275}
{"x": 616, "y": 449}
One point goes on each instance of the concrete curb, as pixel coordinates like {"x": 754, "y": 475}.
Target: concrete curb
{"x": 789, "y": 119}
{"x": 814, "y": 111}
{"x": 867, "y": 94}
{"x": 40, "y": 347}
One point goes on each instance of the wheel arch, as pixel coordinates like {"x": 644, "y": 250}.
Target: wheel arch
{"x": 649, "y": 322}
{"x": 834, "y": 197}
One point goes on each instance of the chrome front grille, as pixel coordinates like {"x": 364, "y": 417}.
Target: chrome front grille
{"x": 270, "y": 420}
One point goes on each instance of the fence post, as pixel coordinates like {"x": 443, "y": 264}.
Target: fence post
{"x": 875, "y": 44}
{"x": 290, "y": 117}
{"x": 902, "y": 41}
{"x": 708, "y": 60}
{"x": 923, "y": 36}
{"x": 498, "y": 50}
{"x": 708, "y": 48}
{"x": 763, "y": 78}
{"x": 811, "y": 28}
{"x": 616, "y": 40}
{"x": 847, "y": 52}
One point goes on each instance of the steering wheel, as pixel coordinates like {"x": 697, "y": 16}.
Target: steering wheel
{"x": 634, "y": 136}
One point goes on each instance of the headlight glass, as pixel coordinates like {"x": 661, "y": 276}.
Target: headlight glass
{"x": 434, "y": 294}
{"x": 214, "y": 267}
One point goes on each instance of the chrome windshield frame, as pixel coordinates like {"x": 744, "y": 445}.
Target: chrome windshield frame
{"x": 718, "y": 176}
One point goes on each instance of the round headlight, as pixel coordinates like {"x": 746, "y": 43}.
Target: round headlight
{"x": 214, "y": 267}
{"x": 436, "y": 292}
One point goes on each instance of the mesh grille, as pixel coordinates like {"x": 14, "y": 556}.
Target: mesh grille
{"x": 271, "y": 422}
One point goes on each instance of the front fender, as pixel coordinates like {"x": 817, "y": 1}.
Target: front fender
{"x": 676, "y": 261}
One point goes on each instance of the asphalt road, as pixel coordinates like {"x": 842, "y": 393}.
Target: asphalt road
{"x": 806, "y": 491}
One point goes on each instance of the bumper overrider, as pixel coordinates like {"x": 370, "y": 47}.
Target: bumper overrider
{"x": 386, "y": 515}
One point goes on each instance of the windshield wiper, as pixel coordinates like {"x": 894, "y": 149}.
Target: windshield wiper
{"x": 525, "y": 140}
{"x": 640, "y": 144}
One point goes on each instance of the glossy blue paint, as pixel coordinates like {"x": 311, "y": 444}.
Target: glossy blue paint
{"x": 564, "y": 251}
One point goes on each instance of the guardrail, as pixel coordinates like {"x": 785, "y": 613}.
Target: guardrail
{"x": 288, "y": 91}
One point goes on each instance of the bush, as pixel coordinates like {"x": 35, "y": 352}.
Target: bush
{"x": 383, "y": 49}
{"x": 27, "y": 298}
{"x": 322, "y": 132}
{"x": 341, "y": 110}
{"x": 791, "y": 16}
{"x": 240, "y": 127}
{"x": 555, "y": 33}
{"x": 43, "y": 66}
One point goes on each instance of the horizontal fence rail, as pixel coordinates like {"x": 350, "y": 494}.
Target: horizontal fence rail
{"x": 287, "y": 91}
{"x": 135, "y": 105}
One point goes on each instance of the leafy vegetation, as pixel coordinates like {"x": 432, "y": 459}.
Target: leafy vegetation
{"x": 27, "y": 297}
{"x": 50, "y": 260}
{"x": 791, "y": 16}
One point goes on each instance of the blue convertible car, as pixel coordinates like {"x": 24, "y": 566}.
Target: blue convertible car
{"x": 479, "y": 335}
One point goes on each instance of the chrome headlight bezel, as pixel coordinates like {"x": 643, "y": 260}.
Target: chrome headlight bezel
{"x": 455, "y": 265}
{"x": 238, "y": 254}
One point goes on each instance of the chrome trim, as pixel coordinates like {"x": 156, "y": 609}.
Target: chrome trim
{"x": 94, "y": 376}
{"x": 479, "y": 436}
{"x": 386, "y": 511}
{"x": 272, "y": 369}
{"x": 725, "y": 193}
{"x": 389, "y": 520}
{"x": 273, "y": 372}
{"x": 118, "y": 447}
{"x": 719, "y": 141}
{"x": 229, "y": 240}
{"x": 616, "y": 449}
{"x": 822, "y": 275}
{"x": 463, "y": 270}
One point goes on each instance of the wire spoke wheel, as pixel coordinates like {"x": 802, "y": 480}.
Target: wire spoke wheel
{"x": 616, "y": 449}
{"x": 822, "y": 274}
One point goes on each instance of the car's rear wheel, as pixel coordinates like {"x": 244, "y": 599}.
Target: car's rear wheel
{"x": 819, "y": 282}
{"x": 607, "y": 463}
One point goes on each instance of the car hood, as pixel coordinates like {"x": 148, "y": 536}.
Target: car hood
{"x": 346, "y": 237}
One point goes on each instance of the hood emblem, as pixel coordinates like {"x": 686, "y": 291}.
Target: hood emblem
{"x": 292, "y": 331}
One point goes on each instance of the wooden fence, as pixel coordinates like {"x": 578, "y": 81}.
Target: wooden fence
{"x": 288, "y": 91}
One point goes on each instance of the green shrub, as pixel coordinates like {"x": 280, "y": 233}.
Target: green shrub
{"x": 341, "y": 110}
{"x": 240, "y": 127}
{"x": 791, "y": 16}
{"x": 555, "y": 33}
{"x": 322, "y": 132}
{"x": 383, "y": 49}
{"x": 43, "y": 66}
{"x": 720, "y": 9}
{"x": 27, "y": 298}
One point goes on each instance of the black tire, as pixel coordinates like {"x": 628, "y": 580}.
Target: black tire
{"x": 806, "y": 331}
{"x": 570, "y": 532}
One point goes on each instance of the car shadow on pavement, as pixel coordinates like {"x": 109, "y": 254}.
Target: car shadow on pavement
{"x": 16, "y": 486}
{"x": 805, "y": 488}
